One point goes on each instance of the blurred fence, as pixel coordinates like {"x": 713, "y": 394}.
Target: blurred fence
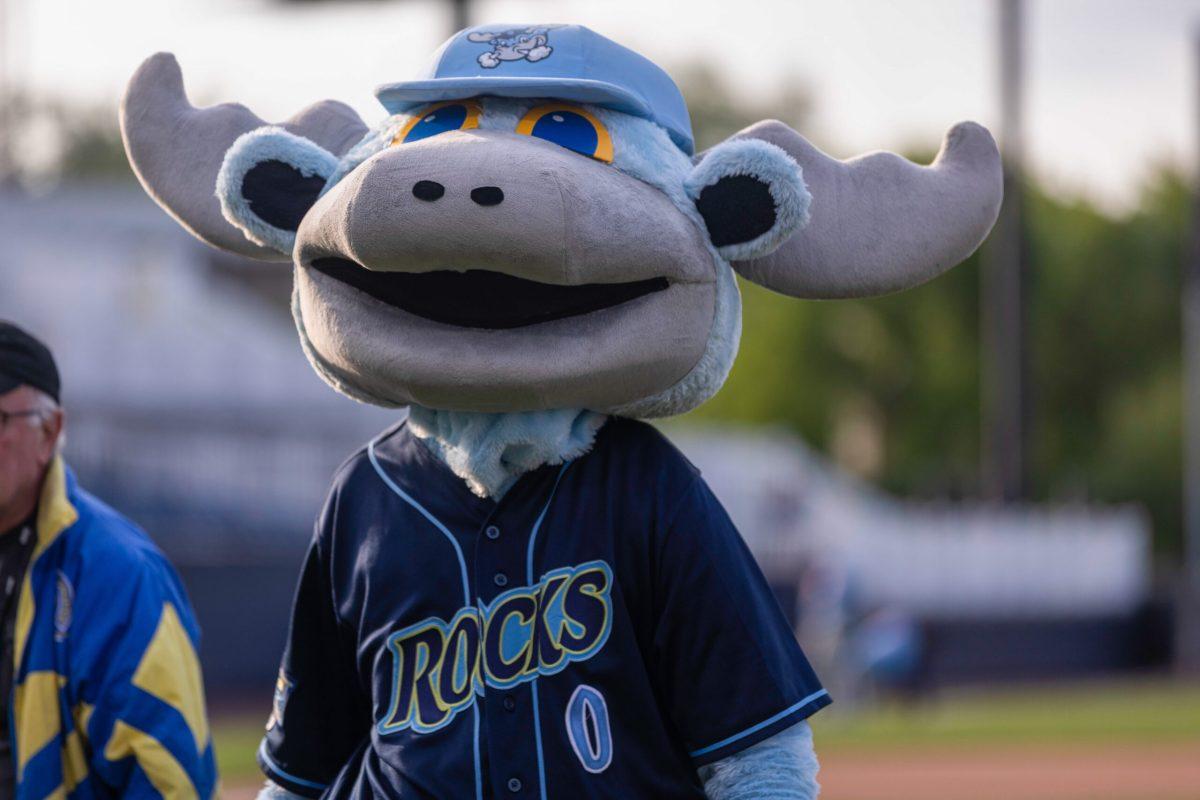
{"x": 217, "y": 486}
{"x": 936, "y": 593}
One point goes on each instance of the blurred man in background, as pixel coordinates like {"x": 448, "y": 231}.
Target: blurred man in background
{"x": 99, "y": 680}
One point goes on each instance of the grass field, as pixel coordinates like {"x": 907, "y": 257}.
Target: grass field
{"x": 1081, "y": 714}
{"x": 1111, "y": 741}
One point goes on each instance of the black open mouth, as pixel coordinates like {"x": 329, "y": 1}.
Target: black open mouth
{"x": 483, "y": 299}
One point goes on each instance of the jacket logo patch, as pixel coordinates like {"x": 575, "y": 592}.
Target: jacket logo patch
{"x": 64, "y": 607}
{"x": 520, "y": 44}
{"x": 439, "y": 667}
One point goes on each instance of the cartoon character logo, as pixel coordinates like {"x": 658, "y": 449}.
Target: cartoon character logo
{"x": 528, "y": 44}
{"x": 64, "y": 608}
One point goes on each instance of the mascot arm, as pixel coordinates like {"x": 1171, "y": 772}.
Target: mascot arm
{"x": 320, "y": 715}
{"x": 783, "y": 767}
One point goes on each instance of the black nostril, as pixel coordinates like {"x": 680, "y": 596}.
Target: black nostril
{"x": 487, "y": 195}
{"x": 428, "y": 190}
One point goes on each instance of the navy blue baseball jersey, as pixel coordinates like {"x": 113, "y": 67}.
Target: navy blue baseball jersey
{"x": 600, "y": 632}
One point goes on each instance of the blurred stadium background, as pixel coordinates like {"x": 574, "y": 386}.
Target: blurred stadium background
{"x": 970, "y": 498}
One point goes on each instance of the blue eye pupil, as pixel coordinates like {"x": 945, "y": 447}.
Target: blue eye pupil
{"x": 446, "y": 118}
{"x": 568, "y": 129}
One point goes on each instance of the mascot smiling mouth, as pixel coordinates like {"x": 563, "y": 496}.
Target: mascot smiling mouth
{"x": 480, "y": 298}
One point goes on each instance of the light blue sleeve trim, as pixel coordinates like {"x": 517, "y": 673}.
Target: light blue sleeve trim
{"x": 262, "y": 753}
{"x": 755, "y": 728}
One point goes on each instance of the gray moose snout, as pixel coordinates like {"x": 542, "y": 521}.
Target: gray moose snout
{"x": 488, "y": 200}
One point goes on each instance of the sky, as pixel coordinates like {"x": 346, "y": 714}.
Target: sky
{"x": 1111, "y": 91}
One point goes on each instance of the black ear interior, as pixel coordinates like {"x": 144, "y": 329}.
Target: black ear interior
{"x": 279, "y": 194}
{"x": 737, "y": 208}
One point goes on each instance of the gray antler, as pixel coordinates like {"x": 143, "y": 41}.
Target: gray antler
{"x": 176, "y": 149}
{"x": 881, "y": 223}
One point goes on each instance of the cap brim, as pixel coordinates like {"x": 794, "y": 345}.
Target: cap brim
{"x": 7, "y": 384}
{"x": 400, "y": 97}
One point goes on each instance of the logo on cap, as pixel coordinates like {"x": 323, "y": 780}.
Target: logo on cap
{"x": 518, "y": 44}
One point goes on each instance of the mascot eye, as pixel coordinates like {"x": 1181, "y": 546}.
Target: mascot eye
{"x": 457, "y": 115}
{"x": 571, "y": 127}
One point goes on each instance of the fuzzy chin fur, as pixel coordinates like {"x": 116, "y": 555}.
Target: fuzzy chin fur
{"x": 491, "y": 451}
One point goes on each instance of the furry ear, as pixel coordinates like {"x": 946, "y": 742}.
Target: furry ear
{"x": 751, "y": 195}
{"x": 268, "y": 181}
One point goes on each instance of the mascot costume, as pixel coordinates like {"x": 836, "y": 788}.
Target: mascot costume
{"x": 521, "y": 590}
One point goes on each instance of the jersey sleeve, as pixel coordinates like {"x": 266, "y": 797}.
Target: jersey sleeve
{"x": 730, "y": 671}
{"x": 320, "y": 714}
{"x": 141, "y": 685}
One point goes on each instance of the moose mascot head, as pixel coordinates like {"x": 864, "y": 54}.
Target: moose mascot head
{"x": 539, "y": 234}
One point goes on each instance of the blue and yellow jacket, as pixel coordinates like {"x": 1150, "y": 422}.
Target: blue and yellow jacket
{"x": 107, "y": 694}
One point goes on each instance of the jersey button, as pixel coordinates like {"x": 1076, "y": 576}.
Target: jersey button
{"x": 514, "y": 785}
{"x": 492, "y": 532}
{"x": 509, "y": 703}
{"x": 501, "y": 579}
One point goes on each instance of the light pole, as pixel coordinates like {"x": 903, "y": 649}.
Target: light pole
{"x": 1189, "y": 608}
{"x": 1003, "y": 297}
{"x": 462, "y": 14}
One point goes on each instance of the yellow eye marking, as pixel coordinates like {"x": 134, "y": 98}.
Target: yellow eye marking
{"x": 569, "y": 126}
{"x": 427, "y": 123}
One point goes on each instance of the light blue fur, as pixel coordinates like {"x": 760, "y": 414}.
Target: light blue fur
{"x": 491, "y": 451}
{"x": 769, "y": 164}
{"x": 783, "y": 767}
{"x": 267, "y": 144}
{"x": 371, "y": 143}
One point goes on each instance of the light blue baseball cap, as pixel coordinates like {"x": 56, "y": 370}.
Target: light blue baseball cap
{"x": 564, "y": 62}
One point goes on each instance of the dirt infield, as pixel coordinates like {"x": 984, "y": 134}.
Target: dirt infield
{"x": 1029, "y": 772}
{"x": 1075, "y": 772}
